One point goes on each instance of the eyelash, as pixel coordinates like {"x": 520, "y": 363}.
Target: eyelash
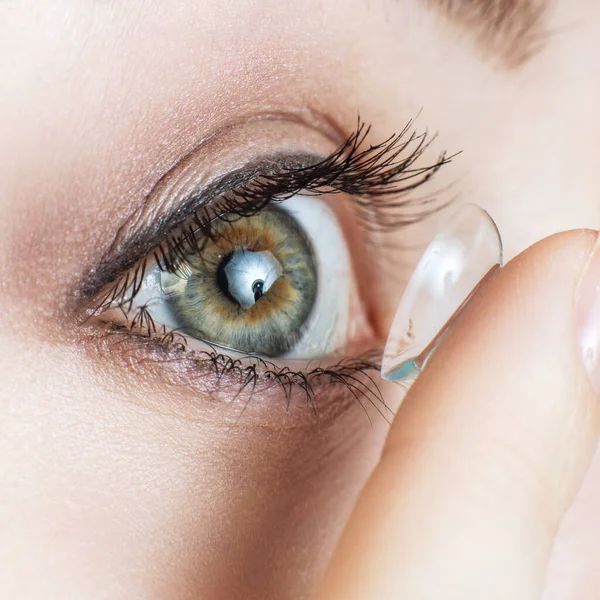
{"x": 378, "y": 180}
{"x": 169, "y": 348}
{"x": 376, "y": 174}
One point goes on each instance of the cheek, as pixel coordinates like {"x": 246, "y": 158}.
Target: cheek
{"x": 121, "y": 495}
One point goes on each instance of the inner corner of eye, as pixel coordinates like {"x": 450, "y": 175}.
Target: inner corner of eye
{"x": 278, "y": 283}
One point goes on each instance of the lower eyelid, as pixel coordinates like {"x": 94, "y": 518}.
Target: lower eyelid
{"x": 172, "y": 380}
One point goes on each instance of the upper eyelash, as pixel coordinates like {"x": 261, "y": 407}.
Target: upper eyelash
{"x": 379, "y": 180}
{"x": 370, "y": 177}
{"x": 376, "y": 178}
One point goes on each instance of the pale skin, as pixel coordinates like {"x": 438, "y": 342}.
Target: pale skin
{"x": 116, "y": 484}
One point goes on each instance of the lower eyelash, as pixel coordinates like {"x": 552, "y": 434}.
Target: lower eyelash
{"x": 253, "y": 374}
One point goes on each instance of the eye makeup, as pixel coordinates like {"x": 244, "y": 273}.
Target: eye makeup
{"x": 377, "y": 180}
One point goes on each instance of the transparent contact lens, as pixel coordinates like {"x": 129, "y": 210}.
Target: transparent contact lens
{"x": 455, "y": 264}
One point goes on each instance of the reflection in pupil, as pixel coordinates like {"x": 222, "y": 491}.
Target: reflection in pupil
{"x": 257, "y": 288}
{"x": 245, "y": 276}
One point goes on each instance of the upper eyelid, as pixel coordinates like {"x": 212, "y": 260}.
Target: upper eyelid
{"x": 123, "y": 255}
{"x": 375, "y": 173}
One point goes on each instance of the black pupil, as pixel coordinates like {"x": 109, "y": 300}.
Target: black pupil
{"x": 222, "y": 277}
{"x": 257, "y": 289}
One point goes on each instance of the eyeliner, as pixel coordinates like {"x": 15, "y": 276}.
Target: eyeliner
{"x": 379, "y": 179}
{"x": 132, "y": 248}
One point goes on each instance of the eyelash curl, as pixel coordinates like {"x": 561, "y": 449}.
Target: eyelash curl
{"x": 377, "y": 178}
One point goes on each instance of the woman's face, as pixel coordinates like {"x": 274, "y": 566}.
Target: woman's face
{"x": 131, "y": 470}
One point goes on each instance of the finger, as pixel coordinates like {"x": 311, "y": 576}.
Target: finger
{"x": 488, "y": 448}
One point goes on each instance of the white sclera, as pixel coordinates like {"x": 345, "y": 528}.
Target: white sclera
{"x": 451, "y": 267}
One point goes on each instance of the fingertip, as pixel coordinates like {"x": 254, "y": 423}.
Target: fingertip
{"x": 488, "y": 448}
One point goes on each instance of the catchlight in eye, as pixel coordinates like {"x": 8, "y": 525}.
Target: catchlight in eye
{"x": 246, "y": 275}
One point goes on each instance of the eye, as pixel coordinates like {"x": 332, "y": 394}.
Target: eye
{"x": 247, "y": 263}
{"x": 277, "y": 283}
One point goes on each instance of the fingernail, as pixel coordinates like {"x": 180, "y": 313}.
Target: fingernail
{"x": 587, "y": 317}
{"x": 455, "y": 262}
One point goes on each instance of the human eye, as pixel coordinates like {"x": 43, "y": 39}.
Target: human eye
{"x": 255, "y": 281}
{"x": 255, "y": 284}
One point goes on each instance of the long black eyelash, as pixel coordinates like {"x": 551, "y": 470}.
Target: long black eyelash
{"x": 378, "y": 179}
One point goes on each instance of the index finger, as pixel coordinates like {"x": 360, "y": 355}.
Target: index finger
{"x": 487, "y": 450}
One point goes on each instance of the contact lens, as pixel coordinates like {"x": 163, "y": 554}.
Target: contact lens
{"x": 455, "y": 264}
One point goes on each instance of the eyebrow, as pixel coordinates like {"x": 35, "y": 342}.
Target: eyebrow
{"x": 509, "y": 29}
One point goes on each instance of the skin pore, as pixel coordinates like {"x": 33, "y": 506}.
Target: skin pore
{"x": 114, "y": 481}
